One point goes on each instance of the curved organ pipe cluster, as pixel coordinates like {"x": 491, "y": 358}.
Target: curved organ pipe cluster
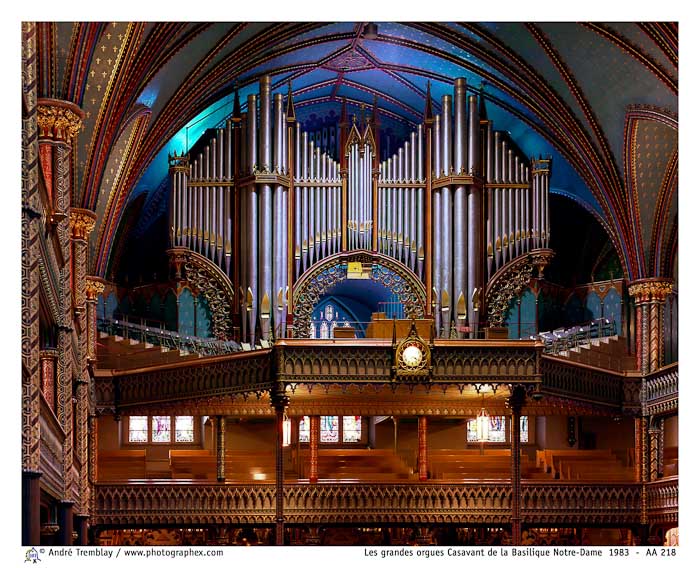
{"x": 455, "y": 204}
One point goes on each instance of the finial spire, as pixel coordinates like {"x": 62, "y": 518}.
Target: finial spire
{"x": 428, "y": 114}
{"x": 291, "y": 116}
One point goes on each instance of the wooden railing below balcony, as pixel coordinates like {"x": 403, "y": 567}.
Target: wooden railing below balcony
{"x": 662, "y": 500}
{"x": 553, "y": 503}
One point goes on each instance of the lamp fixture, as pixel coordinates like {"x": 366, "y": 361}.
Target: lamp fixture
{"x": 482, "y": 423}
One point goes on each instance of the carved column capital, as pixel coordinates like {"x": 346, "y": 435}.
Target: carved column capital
{"x": 82, "y": 222}
{"x": 650, "y": 290}
{"x": 59, "y": 120}
{"x": 94, "y": 286}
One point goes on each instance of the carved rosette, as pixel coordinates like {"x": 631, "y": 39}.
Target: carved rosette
{"x": 505, "y": 287}
{"x": 59, "y": 120}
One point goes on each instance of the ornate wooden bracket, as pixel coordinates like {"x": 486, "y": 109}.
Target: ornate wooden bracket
{"x": 209, "y": 281}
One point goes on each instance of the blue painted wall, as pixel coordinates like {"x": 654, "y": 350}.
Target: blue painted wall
{"x": 592, "y": 307}
{"x": 170, "y": 311}
{"x": 612, "y": 309}
{"x": 203, "y": 318}
{"x": 528, "y": 317}
{"x": 185, "y": 315}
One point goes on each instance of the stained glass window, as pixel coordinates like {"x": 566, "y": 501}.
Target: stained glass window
{"x": 497, "y": 429}
{"x": 304, "y": 429}
{"x": 312, "y": 330}
{"x": 138, "y": 429}
{"x": 324, "y": 330}
{"x": 352, "y": 428}
{"x": 329, "y": 428}
{"x": 160, "y": 429}
{"x": 524, "y": 433}
{"x": 329, "y": 312}
{"x": 184, "y": 428}
{"x": 286, "y": 432}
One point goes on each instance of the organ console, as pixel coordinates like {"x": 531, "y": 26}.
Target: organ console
{"x": 456, "y": 203}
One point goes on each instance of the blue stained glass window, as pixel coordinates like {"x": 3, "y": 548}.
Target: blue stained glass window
{"x": 304, "y": 429}
{"x": 329, "y": 428}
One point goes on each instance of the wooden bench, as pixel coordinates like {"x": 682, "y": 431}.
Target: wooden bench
{"x": 361, "y": 464}
{"x": 547, "y": 458}
{"x": 121, "y": 465}
{"x": 239, "y": 465}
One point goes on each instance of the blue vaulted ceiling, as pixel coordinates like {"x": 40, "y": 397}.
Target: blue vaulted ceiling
{"x": 559, "y": 89}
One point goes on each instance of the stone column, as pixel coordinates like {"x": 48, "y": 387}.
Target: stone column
{"x": 279, "y": 401}
{"x": 516, "y": 403}
{"x": 221, "y": 448}
{"x": 422, "y": 448}
{"x": 314, "y": 435}
{"x": 649, "y": 297}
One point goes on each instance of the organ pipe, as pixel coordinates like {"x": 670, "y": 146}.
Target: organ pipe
{"x": 370, "y": 204}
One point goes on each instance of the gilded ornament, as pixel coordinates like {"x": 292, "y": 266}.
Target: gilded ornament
{"x": 82, "y": 222}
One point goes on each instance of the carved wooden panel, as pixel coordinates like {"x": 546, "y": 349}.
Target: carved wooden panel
{"x": 339, "y": 503}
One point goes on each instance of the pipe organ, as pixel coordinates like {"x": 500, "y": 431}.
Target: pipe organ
{"x": 455, "y": 204}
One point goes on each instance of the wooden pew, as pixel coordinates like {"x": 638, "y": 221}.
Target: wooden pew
{"x": 121, "y": 465}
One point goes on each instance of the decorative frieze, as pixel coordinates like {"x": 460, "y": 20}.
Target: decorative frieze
{"x": 342, "y": 503}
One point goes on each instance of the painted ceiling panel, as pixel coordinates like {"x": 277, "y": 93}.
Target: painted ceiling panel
{"x": 310, "y": 54}
{"x": 636, "y": 36}
{"x": 385, "y": 83}
{"x": 615, "y": 81}
{"x": 64, "y": 34}
{"x": 325, "y": 30}
{"x": 244, "y": 35}
{"x": 170, "y": 77}
{"x": 654, "y": 144}
{"x": 517, "y": 37}
{"x": 368, "y": 98}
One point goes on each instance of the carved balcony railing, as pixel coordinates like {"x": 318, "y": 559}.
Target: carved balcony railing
{"x": 338, "y": 503}
{"x": 370, "y": 361}
{"x": 588, "y": 384}
{"x": 205, "y": 378}
{"x": 661, "y": 391}
{"x": 662, "y": 501}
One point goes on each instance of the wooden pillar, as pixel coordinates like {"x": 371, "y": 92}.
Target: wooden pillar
{"x": 93, "y": 448}
{"x": 279, "y": 401}
{"x": 314, "y": 435}
{"x": 654, "y": 458}
{"x": 82, "y": 529}
{"x": 516, "y": 403}
{"x": 649, "y": 297}
{"x": 31, "y": 527}
{"x": 422, "y": 448}
{"x": 638, "y": 448}
{"x": 221, "y": 448}
{"x": 65, "y": 523}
